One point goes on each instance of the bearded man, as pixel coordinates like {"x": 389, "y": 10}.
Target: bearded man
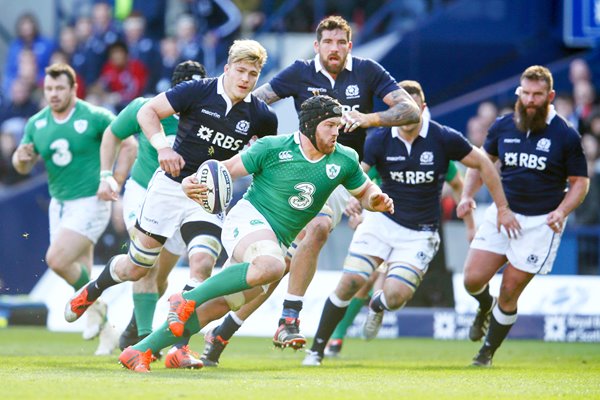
{"x": 540, "y": 156}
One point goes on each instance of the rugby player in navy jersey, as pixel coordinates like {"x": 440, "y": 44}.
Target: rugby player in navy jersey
{"x": 539, "y": 154}
{"x": 412, "y": 161}
{"x": 354, "y": 82}
{"x": 217, "y": 118}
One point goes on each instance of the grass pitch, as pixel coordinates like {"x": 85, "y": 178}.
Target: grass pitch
{"x": 37, "y": 364}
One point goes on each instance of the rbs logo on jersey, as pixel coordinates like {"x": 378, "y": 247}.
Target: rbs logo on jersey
{"x": 219, "y": 139}
{"x": 525, "y": 160}
{"x": 412, "y": 177}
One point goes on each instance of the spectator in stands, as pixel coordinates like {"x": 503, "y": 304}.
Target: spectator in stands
{"x": 584, "y": 95}
{"x": 28, "y": 37}
{"x": 27, "y": 72}
{"x": 477, "y": 130}
{"x": 565, "y": 107}
{"x": 579, "y": 70}
{"x": 160, "y": 78}
{"x": 139, "y": 45}
{"x": 90, "y": 54}
{"x": 588, "y": 213}
{"x": 122, "y": 78}
{"x": 487, "y": 112}
{"x": 188, "y": 41}
{"x": 594, "y": 123}
{"x": 20, "y": 105}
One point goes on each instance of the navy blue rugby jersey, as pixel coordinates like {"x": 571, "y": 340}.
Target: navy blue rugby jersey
{"x": 413, "y": 177}
{"x": 210, "y": 128}
{"x": 354, "y": 88}
{"x": 535, "y": 166}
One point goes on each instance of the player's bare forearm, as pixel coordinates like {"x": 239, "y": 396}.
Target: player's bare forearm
{"x": 236, "y": 167}
{"x": 266, "y": 94}
{"x": 108, "y": 149}
{"x": 578, "y": 189}
{"x": 403, "y": 110}
{"x": 127, "y": 155}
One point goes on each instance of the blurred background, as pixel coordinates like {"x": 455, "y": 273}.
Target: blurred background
{"x": 467, "y": 54}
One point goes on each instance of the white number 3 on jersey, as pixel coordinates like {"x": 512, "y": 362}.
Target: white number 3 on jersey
{"x": 305, "y": 198}
{"x": 62, "y": 156}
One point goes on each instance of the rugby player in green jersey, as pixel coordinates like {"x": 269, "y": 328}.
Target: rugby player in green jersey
{"x": 293, "y": 176}
{"x": 66, "y": 135}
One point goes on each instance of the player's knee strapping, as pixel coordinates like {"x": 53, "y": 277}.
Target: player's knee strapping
{"x": 207, "y": 244}
{"x": 141, "y": 255}
{"x": 235, "y": 301}
{"x": 360, "y": 264}
{"x": 407, "y": 275}
{"x": 263, "y": 248}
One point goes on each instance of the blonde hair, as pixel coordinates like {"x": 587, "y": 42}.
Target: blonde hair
{"x": 247, "y": 51}
{"x": 539, "y": 73}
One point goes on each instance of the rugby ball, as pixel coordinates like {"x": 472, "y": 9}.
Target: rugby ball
{"x": 215, "y": 176}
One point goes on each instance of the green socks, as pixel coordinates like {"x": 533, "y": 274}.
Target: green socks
{"x": 230, "y": 280}
{"x": 162, "y": 336}
{"x": 83, "y": 279}
{"x": 144, "y": 305}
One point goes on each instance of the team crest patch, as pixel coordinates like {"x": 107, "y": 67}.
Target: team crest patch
{"x": 426, "y": 158}
{"x": 421, "y": 256}
{"x": 332, "y": 170}
{"x": 352, "y": 92}
{"x": 242, "y": 127}
{"x": 41, "y": 123}
{"x": 80, "y": 125}
{"x": 543, "y": 145}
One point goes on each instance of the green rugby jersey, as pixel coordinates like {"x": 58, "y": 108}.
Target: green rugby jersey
{"x": 290, "y": 190}
{"x": 70, "y": 148}
{"x": 147, "y": 159}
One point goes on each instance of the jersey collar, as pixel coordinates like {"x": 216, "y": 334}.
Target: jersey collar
{"x": 221, "y": 91}
{"x": 551, "y": 114}
{"x": 319, "y": 67}
{"x": 297, "y": 141}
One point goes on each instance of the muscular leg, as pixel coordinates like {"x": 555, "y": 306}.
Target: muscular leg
{"x": 358, "y": 301}
{"x": 504, "y": 315}
{"x": 70, "y": 256}
{"x": 143, "y": 251}
{"x": 304, "y": 265}
{"x": 480, "y": 267}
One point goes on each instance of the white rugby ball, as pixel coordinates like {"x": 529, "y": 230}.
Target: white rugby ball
{"x": 215, "y": 176}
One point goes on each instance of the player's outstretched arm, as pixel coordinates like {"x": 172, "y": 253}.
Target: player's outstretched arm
{"x": 403, "y": 111}
{"x": 266, "y": 94}
{"x": 482, "y": 163}
{"x": 24, "y": 158}
{"x": 578, "y": 189}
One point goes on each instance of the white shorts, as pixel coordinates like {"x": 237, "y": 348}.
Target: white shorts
{"x": 534, "y": 251}
{"x": 337, "y": 202}
{"x": 243, "y": 220}
{"x": 133, "y": 198}
{"x": 88, "y": 216}
{"x": 166, "y": 208}
{"x": 379, "y": 236}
